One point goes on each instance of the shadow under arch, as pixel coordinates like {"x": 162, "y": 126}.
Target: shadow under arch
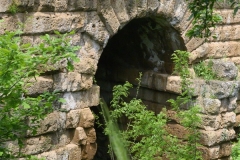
{"x": 143, "y": 45}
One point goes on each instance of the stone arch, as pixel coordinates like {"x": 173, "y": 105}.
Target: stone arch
{"x": 142, "y": 44}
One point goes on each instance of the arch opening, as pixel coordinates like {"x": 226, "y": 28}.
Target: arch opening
{"x": 143, "y": 45}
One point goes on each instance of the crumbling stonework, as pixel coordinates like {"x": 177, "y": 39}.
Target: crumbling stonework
{"x": 68, "y": 132}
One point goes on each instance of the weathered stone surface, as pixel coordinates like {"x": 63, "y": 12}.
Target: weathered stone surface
{"x": 73, "y": 117}
{"x": 210, "y": 106}
{"x": 52, "y": 122}
{"x": 10, "y": 23}
{"x": 90, "y": 48}
{"x": 80, "y": 137}
{"x": 228, "y": 104}
{"x": 72, "y": 81}
{"x": 96, "y": 29}
{"x": 40, "y": 85}
{"x": 86, "y": 118}
{"x": 86, "y": 5}
{"x": 237, "y": 120}
{"x": 120, "y": 11}
{"x": 37, "y": 145}
{"x": 107, "y": 13}
{"x": 153, "y": 80}
{"x": 220, "y": 89}
{"x": 225, "y": 70}
{"x": 69, "y": 152}
{"x": 131, "y": 6}
{"x": 177, "y": 130}
{"x": 48, "y": 22}
{"x": 228, "y": 119}
{"x": 83, "y": 99}
{"x": 216, "y": 50}
{"x": 91, "y": 135}
{"x": 5, "y": 4}
{"x": 86, "y": 65}
{"x": 210, "y": 123}
{"x": 225, "y": 149}
{"x": 174, "y": 84}
{"x": 210, "y": 138}
{"x": 214, "y": 152}
{"x": 89, "y": 151}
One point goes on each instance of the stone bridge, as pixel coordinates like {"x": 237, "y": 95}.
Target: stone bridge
{"x": 118, "y": 39}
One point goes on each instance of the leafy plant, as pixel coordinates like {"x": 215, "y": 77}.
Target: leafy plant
{"x": 19, "y": 64}
{"x": 236, "y": 150}
{"x": 187, "y": 112}
{"x": 204, "y": 70}
{"x": 146, "y": 135}
{"x": 13, "y": 8}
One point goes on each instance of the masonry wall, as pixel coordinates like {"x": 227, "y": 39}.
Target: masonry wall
{"x": 70, "y": 134}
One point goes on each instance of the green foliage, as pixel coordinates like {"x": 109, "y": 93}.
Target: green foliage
{"x": 13, "y": 8}
{"x": 19, "y": 65}
{"x": 236, "y": 5}
{"x": 204, "y": 70}
{"x": 204, "y": 18}
{"x": 236, "y": 151}
{"x": 146, "y": 136}
{"x": 188, "y": 118}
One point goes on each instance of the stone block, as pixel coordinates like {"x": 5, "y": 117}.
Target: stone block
{"x": 40, "y": 22}
{"x": 154, "y": 80}
{"x": 52, "y": 122}
{"x": 237, "y": 120}
{"x": 40, "y": 85}
{"x": 86, "y": 118}
{"x": 51, "y": 155}
{"x": 215, "y": 50}
{"x": 228, "y": 104}
{"x": 82, "y": 99}
{"x": 220, "y": 89}
{"x": 120, "y": 11}
{"x": 60, "y": 5}
{"x": 210, "y": 123}
{"x": 89, "y": 150}
{"x": 152, "y": 5}
{"x": 214, "y": 152}
{"x": 37, "y": 145}
{"x": 211, "y": 106}
{"x": 177, "y": 130}
{"x": 210, "y": 138}
{"x": 86, "y": 65}
{"x": 131, "y": 7}
{"x": 225, "y": 149}
{"x": 70, "y": 81}
{"x": 5, "y": 4}
{"x": 96, "y": 29}
{"x": 141, "y": 8}
{"x": 91, "y": 135}
{"x": 86, "y": 5}
{"x": 90, "y": 48}
{"x": 80, "y": 137}
{"x": 73, "y": 117}
{"x": 237, "y": 110}
{"x": 108, "y": 15}
{"x": 225, "y": 70}
{"x": 174, "y": 84}
{"x": 228, "y": 119}
{"x": 10, "y": 23}
{"x": 69, "y": 152}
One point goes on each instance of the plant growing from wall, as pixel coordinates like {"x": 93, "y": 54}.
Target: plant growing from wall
{"x": 204, "y": 70}
{"x": 146, "y": 136}
{"x": 19, "y": 64}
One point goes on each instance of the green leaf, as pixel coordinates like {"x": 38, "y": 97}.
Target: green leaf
{"x": 25, "y": 105}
